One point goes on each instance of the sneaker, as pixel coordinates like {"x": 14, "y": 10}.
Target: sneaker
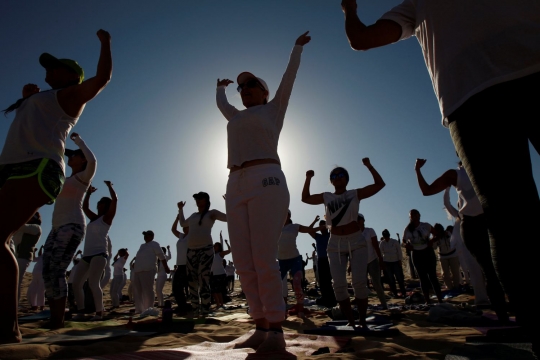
{"x": 79, "y": 316}
{"x": 96, "y": 318}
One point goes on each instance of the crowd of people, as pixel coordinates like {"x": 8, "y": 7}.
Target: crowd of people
{"x": 485, "y": 86}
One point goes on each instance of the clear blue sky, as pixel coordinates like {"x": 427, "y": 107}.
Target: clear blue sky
{"x": 160, "y": 138}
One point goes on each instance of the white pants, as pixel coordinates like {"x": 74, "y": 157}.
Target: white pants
{"x": 92, "y": 272}
{"x": 257, "y": 203}
{"x": 36, "y": 291}
{"x": 122, "y": 285}
{"x": 358, "y": 257}
{"x": 115, "y": 289}
{"x": 471, "y": 268}
{"x": 160, "y": 283}
{"x": 23, "y": 265}
{"x": 143, "y": 290}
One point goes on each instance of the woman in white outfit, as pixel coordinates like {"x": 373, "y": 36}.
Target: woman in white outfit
{"x": 468, "y": 262}
{"x": 257, "y": 195}
{"x": 162, "y": 276}
{"x": 347, "y": 242}
{"x": 36, "y": 290}
{"x": 118, "y": 276}
{"x": 68, "y": 228}
{"x": 96, "y": 250}
{"x": 200, "y": 253}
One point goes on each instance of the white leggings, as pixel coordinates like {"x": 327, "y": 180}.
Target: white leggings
{"x": 115, "y": 289}
{"x": 257, "y": 203}
{"x": 143, "y": 290}
{"x": 36, "y": 291}
{"x": 160, "y": 283}
{"x": 91, "y": 271}
{"x": 358, "y": 258}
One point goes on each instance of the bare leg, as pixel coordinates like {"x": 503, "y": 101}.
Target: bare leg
{"x": 58, "y": 309}
{"x": 14, "y": 213}
{"x": 274, "y": 339}
{"x": 346, "y": 310}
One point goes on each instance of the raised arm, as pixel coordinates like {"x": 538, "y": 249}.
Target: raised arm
{"x": 174, "y": 228}
{"x": 109, "y": 215}
{"x": 362, "y": 37}
{"x": 309, "y": 229}
{"x": 452, "y": 211}
{"x": 72, "y": 99}
{"x": 218, "y": 215}
{"x": 168, "y": 255}
{"x": 223, "y": 105}
{"x": 307, "y": 198}
{"x": 181, "y": 218}
{"x": 447, "y": 179}
{"x": 370, "y": 190}
{"x": 225, "y": 252}
{"x": 88, "y": 173}
{"x": 86, "y": 207}
{"x": 377, "y": 249}
{"x": 312, "y": 234}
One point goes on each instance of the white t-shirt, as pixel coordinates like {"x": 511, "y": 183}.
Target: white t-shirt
{"x": 68, "y": 204}
{"x": 217, "y": 265}
{"x": 229, "y": 270}
{"x": 391, "y": 250}
{"x": 469, "y": 46}
{"x": 287, "y": 242}
{"x": 469, "y": 203}
{"x": 341, "y": 209}
{"x": 368, "y": 234}
{"x": 96, "y": 240}
{"x": 38, "y": 267}
{"x": 147, "y": 256}
{"x": 253, "y": 133}
{"x": 39, "y": 130}
{"x": 181, "y": 250}
{"x": 419, "y": 237}
{"x": 201, "y": 235}
{"x": 119, "y": 266}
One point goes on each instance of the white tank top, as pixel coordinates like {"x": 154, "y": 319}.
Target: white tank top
{"x": 96, "y": 240}
{"x": 39, "y": 130}
{"x": 217, "y": 265}
{"x": 469, "y": 203}
{"x": 341, "y": 209}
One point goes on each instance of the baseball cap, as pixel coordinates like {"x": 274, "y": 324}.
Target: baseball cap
{"x": 245, "y": 76}
{"x": 148, "y": 232}
{"x": 70, "y": 153}
{"x": 48, "y": 61}
{"x": 201, "y": 195}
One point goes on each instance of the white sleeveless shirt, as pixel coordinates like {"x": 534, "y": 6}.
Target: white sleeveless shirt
{"x": 96, "y": 240}
{"x": 469, "y": 203}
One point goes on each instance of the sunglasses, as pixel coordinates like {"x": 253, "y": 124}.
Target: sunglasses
{"x": 337, "y": 176}
{"x": 250, "y": 84}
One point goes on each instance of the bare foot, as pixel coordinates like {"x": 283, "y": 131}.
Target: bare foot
{"x": 12, "y": 338}
{"x": 254, "y": 341}
{"x": 274, "y": 342}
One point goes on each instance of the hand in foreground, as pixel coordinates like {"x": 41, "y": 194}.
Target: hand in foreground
{"x": 224, "y": 82}
{"x": 366, "y": 162}
{"x": 348, "y": 5}
{"x": 103, "y": 35}
{"x": 303, "y": 39}
{"x": 30, "y": 89}
{"x": 419, "y": 163}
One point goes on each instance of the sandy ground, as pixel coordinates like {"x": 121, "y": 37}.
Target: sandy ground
{"x": 418, "y": 338}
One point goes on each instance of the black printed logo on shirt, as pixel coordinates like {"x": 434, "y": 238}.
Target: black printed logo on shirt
{"x": 340, "y": 204}
{"x": 270, "y": 181}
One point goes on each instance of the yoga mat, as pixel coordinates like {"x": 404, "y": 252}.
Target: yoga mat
{"x": 374, "y": 319}
{"x": 297, "y": 345}
{"x": 43, "y": 315}
{"x": 515, "y": 351}
{"x": 230, "y": 317}
{"x": 83, "y": 336}
{"x": 374, "y": 330}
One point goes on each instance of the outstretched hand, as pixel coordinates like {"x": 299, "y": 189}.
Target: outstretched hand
{"x": 303, "y": 39}
{"x": 419, "y": 163}
{"x": 224, "y": 82}
{"x": 30, "y": 89}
